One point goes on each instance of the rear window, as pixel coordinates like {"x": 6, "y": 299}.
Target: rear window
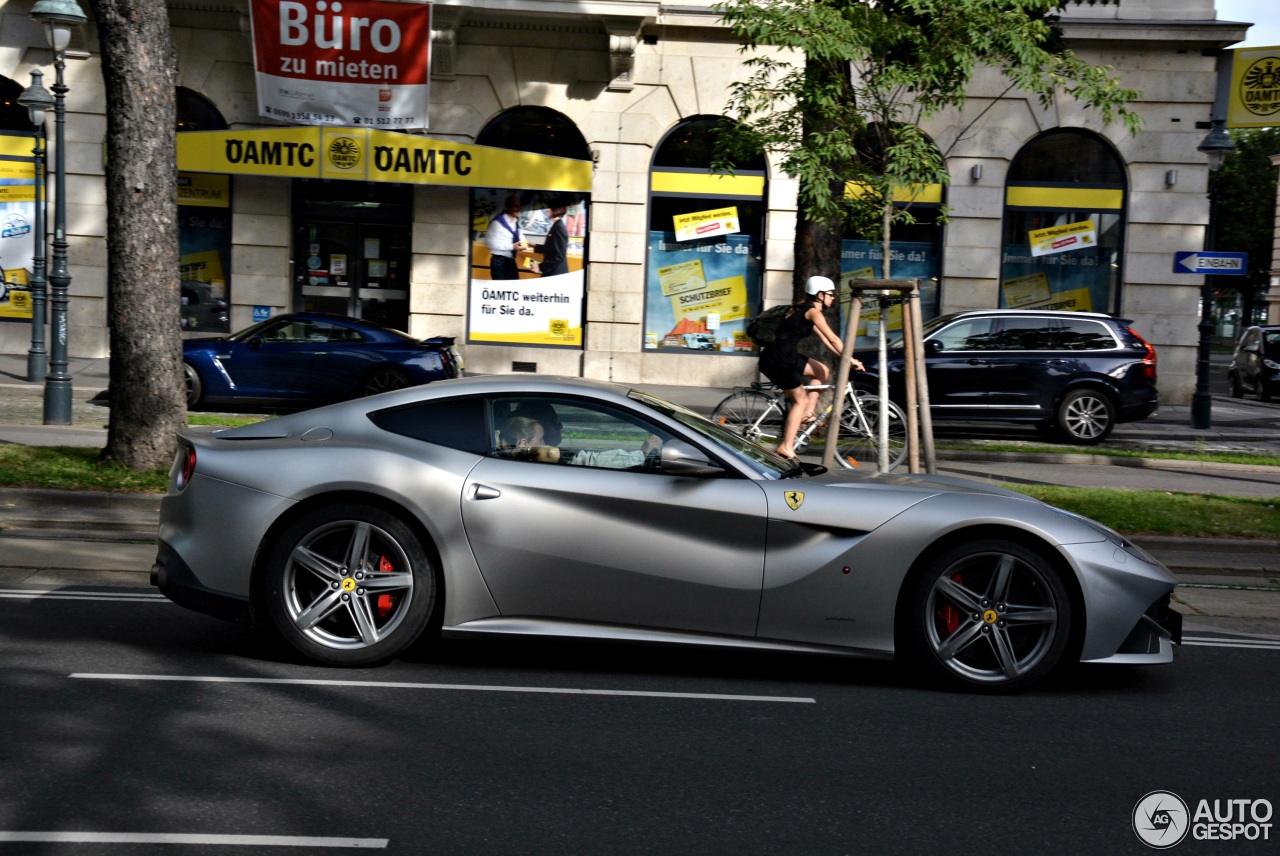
{"x": 458, "y": 423}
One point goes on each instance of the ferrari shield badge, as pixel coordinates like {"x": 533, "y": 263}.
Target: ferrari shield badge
{"x": 794, "y": 498}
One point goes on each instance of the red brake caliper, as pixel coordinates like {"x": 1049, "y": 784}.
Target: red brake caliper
{"x": 948, "y": 614}
{"x": 385, "y": 601}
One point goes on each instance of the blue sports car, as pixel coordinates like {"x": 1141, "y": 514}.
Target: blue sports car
{"x": 305, "y": 359}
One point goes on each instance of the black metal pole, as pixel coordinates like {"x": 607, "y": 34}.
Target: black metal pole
{"x": 57, "y": 384}
{"x": 1201, "y": 401}
{"x": 37, "y": 356}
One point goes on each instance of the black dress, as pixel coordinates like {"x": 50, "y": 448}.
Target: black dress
{"x": 780, "y": 361}
{"x": 553, "y": 251}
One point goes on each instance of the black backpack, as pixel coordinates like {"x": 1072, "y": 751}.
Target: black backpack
{"x": 763, "y": 329}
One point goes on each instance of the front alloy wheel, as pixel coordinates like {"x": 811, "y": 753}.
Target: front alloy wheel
{"x": 990, "y": 615}
{"x": 350, "y": 585}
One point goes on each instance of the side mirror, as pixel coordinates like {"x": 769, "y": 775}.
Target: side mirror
{"x": 678, "y": 458}
{"x": 932, "y": 346}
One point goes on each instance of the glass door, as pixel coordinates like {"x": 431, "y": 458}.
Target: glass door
{"x": 352, "y": 251}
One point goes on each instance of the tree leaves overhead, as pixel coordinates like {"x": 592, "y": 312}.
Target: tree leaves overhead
{"x": 827, "y": 75}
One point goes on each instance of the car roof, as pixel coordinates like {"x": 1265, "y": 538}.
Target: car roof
{"x": 1054, "y": 313}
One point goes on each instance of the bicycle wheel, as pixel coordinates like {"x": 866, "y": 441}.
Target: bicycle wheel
{"x": 858, "y": 446}
{"x": 750, "y": 414}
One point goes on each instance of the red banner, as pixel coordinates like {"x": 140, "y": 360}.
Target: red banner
{"x": 343, "y": 62}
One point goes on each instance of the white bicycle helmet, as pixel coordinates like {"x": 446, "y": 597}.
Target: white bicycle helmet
{"x": 819, "y": 284}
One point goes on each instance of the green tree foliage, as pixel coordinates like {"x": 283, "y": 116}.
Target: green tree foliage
{"x": 1246, "y": 211}
{"x": 837, "y": 88}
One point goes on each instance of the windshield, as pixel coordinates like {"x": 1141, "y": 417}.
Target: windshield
{"x": 895, "y": 341}
{"x": 760, "y": 459}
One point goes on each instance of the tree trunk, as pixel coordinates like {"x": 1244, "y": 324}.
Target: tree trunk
{"x": 139, "y": 67}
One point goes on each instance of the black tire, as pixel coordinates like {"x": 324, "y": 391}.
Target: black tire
{"x": 1233, "y": 385}
{"x": 990, "y": 615}
{"x": 858, "y": 446}
{"x": 350, "y": 585}
{"x": 1085, "y": 417}
{"x": 741, "y": 414}
{"x": 195, "y": 389}
{"x": 384, "y": 379}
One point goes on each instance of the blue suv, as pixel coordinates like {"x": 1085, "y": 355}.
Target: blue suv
{"x": 1074, "y": 375}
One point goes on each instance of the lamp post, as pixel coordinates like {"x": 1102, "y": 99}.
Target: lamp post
{"x": 1216, "y": 146}
{"x": 38, "y": 102}
{"x": 59, "y": 18}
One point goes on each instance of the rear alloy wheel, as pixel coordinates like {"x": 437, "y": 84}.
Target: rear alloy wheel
{"x": 350, "y": 585}
{"x": 195, "y": 389}
{"x": 1086, "y": 417}
{"x": 1233, "y": 386}
{"x": 384, "y": 379}
{"x": 990, "y": 615}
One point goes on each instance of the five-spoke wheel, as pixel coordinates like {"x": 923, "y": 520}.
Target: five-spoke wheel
{"x": 991, "y": 615}
{"x": 350, "y": 585}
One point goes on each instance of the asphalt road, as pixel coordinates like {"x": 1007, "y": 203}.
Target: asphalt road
{"x": 123, "y": 721}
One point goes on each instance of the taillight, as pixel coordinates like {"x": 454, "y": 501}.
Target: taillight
{"x": 1149, "y": 361}
{"x": 188, "y": 469}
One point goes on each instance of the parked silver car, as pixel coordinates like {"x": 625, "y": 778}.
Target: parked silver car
{"x": 1255, "y": 365}
{"x": 530, "y": 506}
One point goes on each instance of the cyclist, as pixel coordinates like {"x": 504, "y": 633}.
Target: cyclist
{"x": 793, "y": 372}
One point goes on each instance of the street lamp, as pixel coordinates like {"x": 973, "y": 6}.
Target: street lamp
{"x": 38, "y": 102}
{"x": 59, "y": 18}
{"x": 1216, "y": 146}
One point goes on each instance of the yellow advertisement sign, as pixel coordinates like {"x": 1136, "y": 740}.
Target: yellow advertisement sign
{"x": 724, "y": 297}
{"x": 17, "y": 193}
{"x": 204, "y": 266}
{"x": 1254, "y": 101}
{"x": 706, "y": 224}
{"x": 204, "y": 190}
{"x": 360, "y": 154}
{"x": 681, "y": 278}
{"x": 1061, "y": 239}
{"x": 1076, "y": 300}
{"x": 1023, "y": 291}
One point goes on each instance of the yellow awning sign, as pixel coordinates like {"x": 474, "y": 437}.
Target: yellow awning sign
{"x": 361, "y": 154}
{"x": 1061, "y": 239}
{"x": 204, "y": 190}
{"x": 706, "y": 224}
{"x": 1255, "y": 88}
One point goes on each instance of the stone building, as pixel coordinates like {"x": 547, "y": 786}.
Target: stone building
{"x": 612, "y": 100}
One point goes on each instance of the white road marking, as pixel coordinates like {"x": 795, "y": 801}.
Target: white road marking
{"x": 1220, "y": 642}
{"x": 71, "y": 594}
{"x": 416, "y": 686}
{"x": 186, "y": 838}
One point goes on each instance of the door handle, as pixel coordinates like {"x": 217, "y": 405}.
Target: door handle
{"x": 481, "y": 491}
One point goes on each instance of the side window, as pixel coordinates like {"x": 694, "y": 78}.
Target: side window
{"x": 1025, "y": 334}
{"x": 972, "y": 334}
{"x": 457, "y": 423}
{"x": 1272, "y": 342}
{"x": 1081, "y": 334}
{"x": 1249, "y": 340}
{"x": 574, "y": 432}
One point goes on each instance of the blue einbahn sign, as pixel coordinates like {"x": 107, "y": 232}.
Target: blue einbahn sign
{"x": 1201, "y": 261}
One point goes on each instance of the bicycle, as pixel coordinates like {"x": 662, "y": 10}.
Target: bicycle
{"x": 757, "y": 413}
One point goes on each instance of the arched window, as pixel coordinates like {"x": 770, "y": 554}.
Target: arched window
{"x": 1064, "y": 225}
{"x": 13, "y": 116}
{"x": 539, "y": 130}
{"x": 204, "y": 228}
{"x": 533, "y": 228}
{"x": 706, "y": 245}
{"x": 197, "y": 113}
